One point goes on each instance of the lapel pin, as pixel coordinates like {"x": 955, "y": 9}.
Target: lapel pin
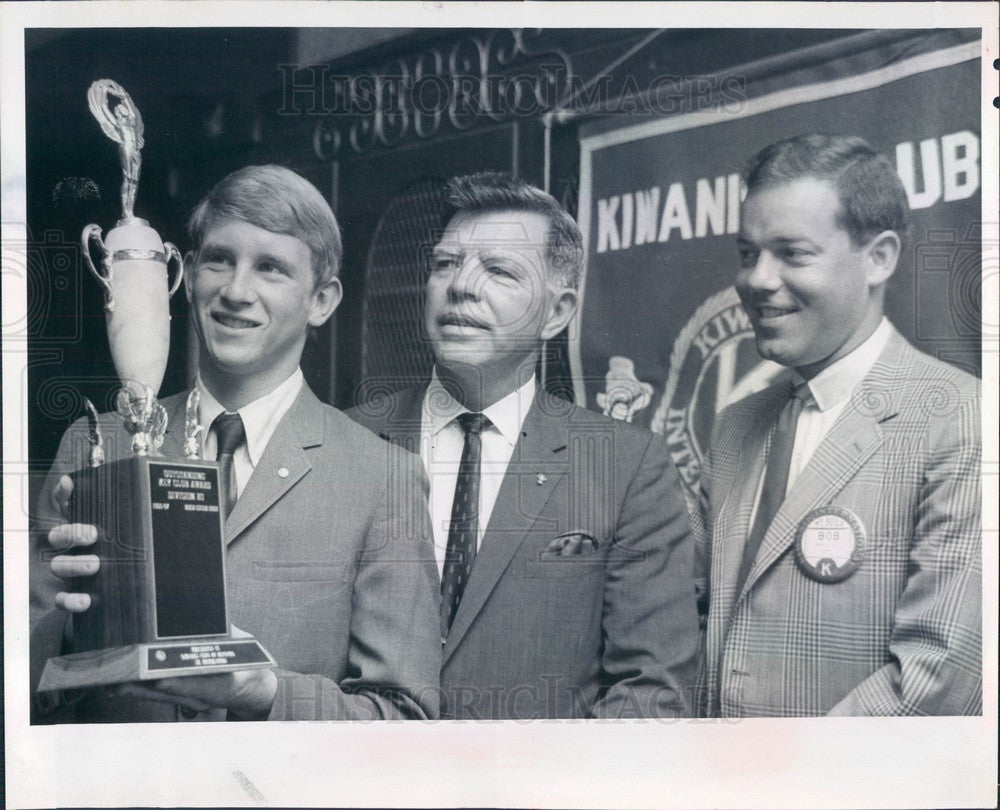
{"x": 283, "y": 472}
{"x": 830, "y": 544}
{"x": 541, "y": 479}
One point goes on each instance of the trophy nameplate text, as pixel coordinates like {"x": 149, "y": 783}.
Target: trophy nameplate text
{"x": 158, "y": 601}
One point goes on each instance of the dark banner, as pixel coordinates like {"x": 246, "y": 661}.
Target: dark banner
{"x": 662, "y": 338}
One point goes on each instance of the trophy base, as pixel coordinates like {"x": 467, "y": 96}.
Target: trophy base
{"x": 145, "y": 662}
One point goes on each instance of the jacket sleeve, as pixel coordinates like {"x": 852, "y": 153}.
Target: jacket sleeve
{"x": 936, "y": 643}
{"x": 650, "y": 622}
{"x": 701, "y": 531}
{"x": 395, "y": 646}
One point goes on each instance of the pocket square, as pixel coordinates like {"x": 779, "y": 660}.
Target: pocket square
{"x": 570, "y": 544}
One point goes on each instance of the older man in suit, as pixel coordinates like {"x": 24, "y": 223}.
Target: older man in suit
{"x": 561, "y": 535}
{"x": 843, "y": 502}
{"x": 328, "y": 560}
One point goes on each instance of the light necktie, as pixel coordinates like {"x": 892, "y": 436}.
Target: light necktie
{"x": 772, "y": 493}
{"x": 463, "y": 530}
{"x": 230, "y": 435}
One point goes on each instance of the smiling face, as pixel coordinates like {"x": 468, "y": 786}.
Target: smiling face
{"x": 253, "y": 296}
{"x": 811, "y": 294}
{"x": 490, "y": 301}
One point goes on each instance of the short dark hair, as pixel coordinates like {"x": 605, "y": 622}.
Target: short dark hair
{"x": 872, "y": 197}
{"x": 498, "y": 191}
{"x": 278, "y": 200}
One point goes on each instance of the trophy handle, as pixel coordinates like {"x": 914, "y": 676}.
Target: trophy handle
{"x": 173, "y": 253}
{"x": 93, "y": 233}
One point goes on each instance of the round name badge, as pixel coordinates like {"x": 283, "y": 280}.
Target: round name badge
{"x": 830, "y": 544}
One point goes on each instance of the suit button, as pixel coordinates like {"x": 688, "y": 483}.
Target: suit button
{"x": 188, "y": 713}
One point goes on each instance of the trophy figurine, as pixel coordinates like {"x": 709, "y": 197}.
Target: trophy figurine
{"x": 158, "y": 601}
{"x": 134, "y": 258}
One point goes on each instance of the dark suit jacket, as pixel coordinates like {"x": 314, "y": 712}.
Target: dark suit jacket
{"x": 901, "y": 635}
{"x": 611, "y": 631}
{"x": 329, "y": 564}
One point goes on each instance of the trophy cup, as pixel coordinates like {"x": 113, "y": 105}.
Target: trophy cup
{"x": 158, "y": 601}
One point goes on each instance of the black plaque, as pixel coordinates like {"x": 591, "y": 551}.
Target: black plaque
{"x": 187, "y": 551}
{"x": 158, "y": 601}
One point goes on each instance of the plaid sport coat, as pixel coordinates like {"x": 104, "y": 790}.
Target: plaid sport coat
{"x": 901, "y": 635}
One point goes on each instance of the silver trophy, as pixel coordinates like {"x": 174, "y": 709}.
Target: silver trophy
{"x": 134, "y": 264}
{"x": 159, "y": 597}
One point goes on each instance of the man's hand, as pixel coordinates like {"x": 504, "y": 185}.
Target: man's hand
{"x": 247, "y": 693}
{"x": 66, "y": 536}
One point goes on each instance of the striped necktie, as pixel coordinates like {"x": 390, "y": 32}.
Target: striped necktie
{"x": 230, "y": 435}
{"x": 463, "y": 530}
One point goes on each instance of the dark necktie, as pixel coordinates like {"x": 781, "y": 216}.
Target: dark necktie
{"x": 229, "y": 436}
{"x": 464, "y": 528}
{"x": 772, "y": 493}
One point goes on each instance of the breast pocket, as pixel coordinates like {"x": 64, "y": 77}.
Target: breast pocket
{"x": 570, "y": 554}
{"x": 565, "y": 568}
{"x": 269, "y": 571}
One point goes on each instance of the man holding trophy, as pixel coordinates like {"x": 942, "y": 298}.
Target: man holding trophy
{"x": 328, "y": 560}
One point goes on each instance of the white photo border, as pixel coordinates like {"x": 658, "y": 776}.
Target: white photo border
{"x": 929, "y": 762}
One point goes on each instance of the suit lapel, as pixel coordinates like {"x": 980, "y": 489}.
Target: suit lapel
{"x": 402, "y": 424}
{"x": 733, "y": 519}
{"x": 847, "y": 447}
{"x": 738, "y": 501}
{"x": 283, "y": 463}
{"x": 519, "y": 503}
{"x": 851, "y": 442}
{"x": 173, "y": 438}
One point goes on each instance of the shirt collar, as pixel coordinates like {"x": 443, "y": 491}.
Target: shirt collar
{"x": 260, "y": 417}
{"x": 834, "y": 384}
{"x": 507, "y": 415}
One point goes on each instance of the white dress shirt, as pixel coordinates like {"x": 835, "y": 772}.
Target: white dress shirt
{"x": 442, "y": 441}
{"x": 829, "y": 393}
{"x": 260, "y": 418}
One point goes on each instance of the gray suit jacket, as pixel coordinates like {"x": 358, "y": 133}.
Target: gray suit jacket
{"x": 608, "y": 632}
{"x": 329, "y": 563}
{"x": 902, "y": 635}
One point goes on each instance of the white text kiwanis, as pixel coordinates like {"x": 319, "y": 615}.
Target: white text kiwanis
{"x": 937, "y": 169}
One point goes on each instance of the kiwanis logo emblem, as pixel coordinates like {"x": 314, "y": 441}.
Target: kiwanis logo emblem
{"x": 714, "y": 363}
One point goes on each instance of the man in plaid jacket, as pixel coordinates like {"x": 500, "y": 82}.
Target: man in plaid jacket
{"x": 842, "y": 504}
